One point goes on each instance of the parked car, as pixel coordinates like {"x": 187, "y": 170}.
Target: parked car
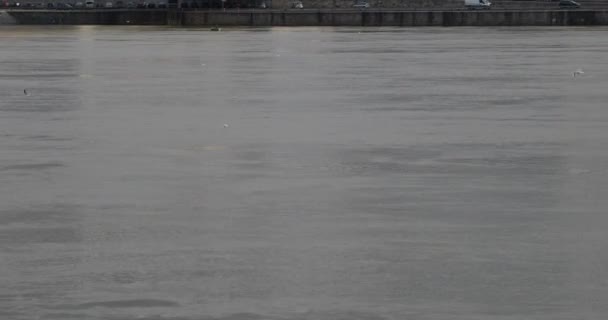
{"x": 63, "y": 6}
{"x": 477, "y": 4}
{"x": 89, "y": 4}
{"x": 361, "y": 5}
{"x": 297, "y": 5}
{"x": 569, "y": 4}
{"x": 151, "y": 5}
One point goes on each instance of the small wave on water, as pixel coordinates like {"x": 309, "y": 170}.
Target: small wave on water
{"x": 135, "y": 303}
{"x": 113, "y": 304}
{"x": 310, "y": 315}
{"x": 32, "y": 166}
{"x": 578, "y": 171}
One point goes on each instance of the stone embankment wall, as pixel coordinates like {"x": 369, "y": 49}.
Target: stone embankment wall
{"x": 308, "y": 17}
{"x": 393, "y": 18}
{"x": 6, "y": 18}
{"x": 81, "y": 17}
{"x": 404, "y": 4}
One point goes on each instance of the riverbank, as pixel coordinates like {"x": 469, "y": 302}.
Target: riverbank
{"x": 310, "y": 17}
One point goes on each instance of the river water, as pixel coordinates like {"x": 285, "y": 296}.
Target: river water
{"x": 303, "y": 173}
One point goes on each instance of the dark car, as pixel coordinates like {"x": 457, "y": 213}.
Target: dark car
{"x": 569, "y": 4}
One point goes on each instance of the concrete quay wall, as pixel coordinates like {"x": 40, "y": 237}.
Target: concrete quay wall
{"x": 310, "y": 17}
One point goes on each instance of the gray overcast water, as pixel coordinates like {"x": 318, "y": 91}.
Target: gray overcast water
{"x": 364, "y": 174}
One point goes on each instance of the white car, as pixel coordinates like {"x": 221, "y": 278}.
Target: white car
{"x": 298, "y": 5}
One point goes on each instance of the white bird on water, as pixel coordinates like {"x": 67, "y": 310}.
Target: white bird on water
{"x": 578, "y": 72}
